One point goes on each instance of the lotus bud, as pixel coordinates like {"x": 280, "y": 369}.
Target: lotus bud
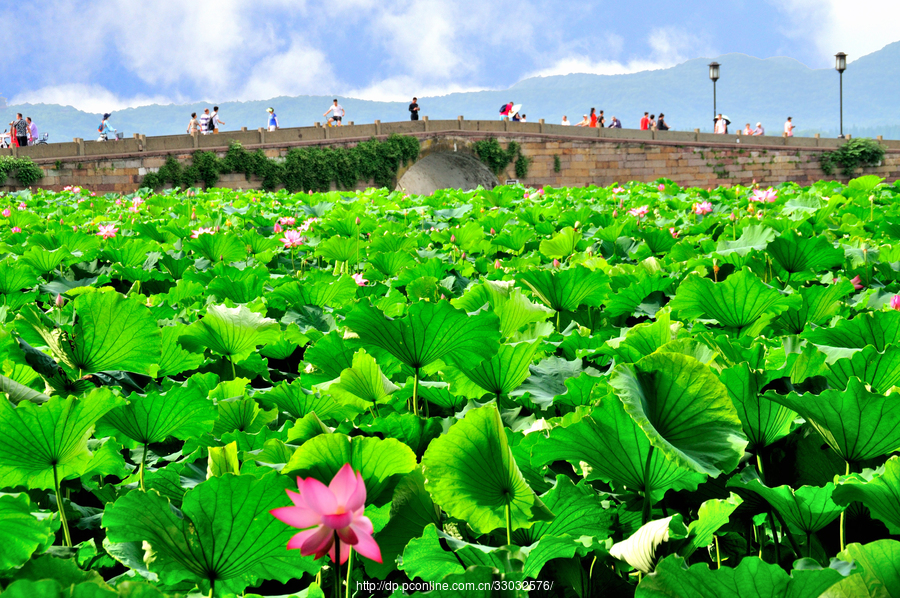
{"x": 493, "y": 232}
{"x": 443, "y": 297}
{"x": 277, "y": 228}
{"x": 615, "y": 213}
{"x": 590, "y": 251}
{"x": 357, "y": 221}
{"x": 497, "y": 264}
{"x": 556, "y": 263}
{"x": 453, "y": 238}
{"x": 732, "y": 217}
{"x": 60, "y": 301}
{"x": 577, "y": 224}
{"x": 463, "y": 256}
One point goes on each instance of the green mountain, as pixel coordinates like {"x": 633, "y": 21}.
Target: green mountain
{"x": 749, "y": 90}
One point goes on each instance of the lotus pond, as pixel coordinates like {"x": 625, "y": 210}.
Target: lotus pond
{"x": 636, "y": 390}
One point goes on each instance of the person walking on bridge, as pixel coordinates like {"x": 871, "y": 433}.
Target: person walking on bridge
{"x": 337, "y": 114}
{"x": 273, "y": 119}
{"x": 413, "y": 109}
{"x": 20, "y": 128}
{"x": 32, "y": 131}
{"x": 215, "y": 120}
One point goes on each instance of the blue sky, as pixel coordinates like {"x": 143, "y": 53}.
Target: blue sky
{"x": 109, "y": 54}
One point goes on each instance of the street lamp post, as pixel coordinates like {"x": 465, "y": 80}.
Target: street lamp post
{"x": 714, "y": 75}
{"x": 840, "y": 65}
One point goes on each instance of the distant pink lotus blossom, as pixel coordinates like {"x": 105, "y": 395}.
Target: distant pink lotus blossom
{"x": 497, "y": 264}
{"x": 308, "y": 223}
{"x": 107, "y": 231}
{"x": 16, "y": 229}
{"x": 702, "y": 208}
{"x": 277, "y": 228}
{"x": 287, "y": 221}
{"x": 6, "y": 212}
{"x": 453, "y": 238}
{"x": 134, "y": 209}
{"x": 615, "y": 213}
{"x": 618, "y": 190}
{"x": 673, "y": 232}
{"x": 118, "y": 202}
{"x": 201, "y": 231}
{"x": 895, "y": 302}
{"x": 857, "y": 282}
{"x": 292, "y": 238}
{"x": 639, "y": 212}
{"x": 325, "y": 511}
{"x": 556, "y": 263}
{"x": 661, "y": 187}
{"x": 526, "y": 195}
{"x": 767, "y": 196}
{"x": 359, "y": 279}
{"x": 22, "y": 206}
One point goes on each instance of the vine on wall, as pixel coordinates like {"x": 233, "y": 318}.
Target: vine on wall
{"x": 851, "y": 155}
{"x": 303, "y": 169}
{"x": 498, "y": 159}
{"x": 22, "y": 169}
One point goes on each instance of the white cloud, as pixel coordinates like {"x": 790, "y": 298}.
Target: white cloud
{"x": 300, "y": 70}
{"x": 403, "y": 88}
{"x": 857, "y": 28}
{"x": 88, "y": 98}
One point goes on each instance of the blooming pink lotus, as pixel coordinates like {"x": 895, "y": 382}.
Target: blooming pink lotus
{"x": 895, "y": 302}
{"x": 618, "y": 190}
{"x": 308, "y": 223}
{"x": 661, "y": 188}
{"x": 6, "y": 212}
{"x": 107, "y": 231}
{"x": 857, "y": 282}
{"x": 22, "y": 206}
{"x": 118, "y": 202}
{"x": 277, "y": 228}
{"x": 702, "y": 208}
{"x": 201, "y": 231}
{"x": 287, "y": 221}
{"x": 16, "y": 229}
{"x": 767, "y": 196}
{"x": 336, "y": 509}
{"x": 673, "y": 232}
{"x": 639, "y": 212}
{"x": 292, "y": 238}
{"x": 358, "y": 278}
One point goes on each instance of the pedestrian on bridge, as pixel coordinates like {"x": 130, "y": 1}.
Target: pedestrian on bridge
{"x": 273, "y": 119}
{"x": 21, "y": 130}
{"x": 413, "y": 109}
{"x": 337, "y": 114}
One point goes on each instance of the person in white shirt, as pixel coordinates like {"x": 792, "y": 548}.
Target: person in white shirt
{"x": 521, "y": 120}
{"x": 721, "y": 125}
{"x": 585, "y": 122}
{"x": 565, "y": 122}
{"x": 759, "y": 130}
{"x": 789, "y": 128}
{"x": 215, "y": 120}
{"x": 337, "y": 114}
{"x": 205, "y": 120}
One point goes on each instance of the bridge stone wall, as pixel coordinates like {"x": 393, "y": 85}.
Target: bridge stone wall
{"x": 586, "y": 156}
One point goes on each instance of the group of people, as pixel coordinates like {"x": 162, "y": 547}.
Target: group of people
{"x": 208, "y": 123}
{"x": 594, "y": 120}
{"x": 722, "y": 122}
{"x": 21, "y": 132}
{"x": 649, "y": 122}
{"x": 510, "y": 111}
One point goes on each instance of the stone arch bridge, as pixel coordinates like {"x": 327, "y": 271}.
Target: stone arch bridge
{"x": 558, "y": 155}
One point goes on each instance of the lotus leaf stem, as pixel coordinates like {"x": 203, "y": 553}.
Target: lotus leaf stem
{"x": 61, "y": 509}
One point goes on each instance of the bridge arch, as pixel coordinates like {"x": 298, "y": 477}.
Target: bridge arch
{"x": 445, "y": 164}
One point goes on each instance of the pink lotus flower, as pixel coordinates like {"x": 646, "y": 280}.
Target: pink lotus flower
{"x": 60, "y": 300}
{"x": 305, "y": 226}
{"x": 497, "y": 264}
{"x": 292, "y": 238}
{"x": 287, "y": 220}
{"x": 661, "y": 188}
{"x": 895, "y": 302}
{"x": 16, "y": 229}
{"x": 6, "y": 212}
{"x": 526, "y": 195}
{"x": 618, "y": 190}
{"x": 639, "y": 212}
{"x": 767, "y": 196}
{"x": 673, "y": 232}
{"x": 493, "y": 232}
{"x": 22, "y": 206}
{"x": 359, "y": 279}
{"x": 615, "y": 213}
{"x": 201, "y": 231}
{"x": 702, "y": 208}
{"x": 453, "y": 238}
{"x": 556, "y": 263}
{"x": 277, "y": 228}
{"x": 107, "y": 231}
{"x": 118, "y": 202}
{"x": 336, "y": 509}
{"x": 857, "y": 283}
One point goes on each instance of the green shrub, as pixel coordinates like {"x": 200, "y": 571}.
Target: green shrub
{"x": 22, "y": 169}
{"x": 851, "y": 155}
{"x": 498, "y": 159}
{"x": 557, "y": 164}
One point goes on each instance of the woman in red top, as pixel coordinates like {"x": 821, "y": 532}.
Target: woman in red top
{"x": 594, "y": 117}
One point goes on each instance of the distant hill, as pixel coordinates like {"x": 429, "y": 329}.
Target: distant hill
{"x": 749, "y": 90}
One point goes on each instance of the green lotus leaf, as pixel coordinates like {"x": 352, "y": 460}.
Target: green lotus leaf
{"x": 795, "y": 253}
{"x": 299, "y": 402}
{"x": 562, "y": 245}
{"x": 174, "y": 359}
{"x": 820, "y": 303}
{"x": 736, "y": 302}
{"x": 763, "y": 421}
{"x": 242, "y": 415}
{"x": 218, "y": 247}
{"x": 471, "y": 472}
{"x": 628, "y": 299}
{"x": 684, "y": 410}
{"x": 233, "y": 332}
{"x": 38, "y": 441}
{"x": 505, "y": 371}
{"x": 752, "y": 578}
{"x": 17, "y": 393}
{"x": 877, "y": 573}
{"x": 183, "y": 412}
{"x": 509, "y": 303}
{"x": 754, "y": 237}
{"x": 323, "y": 291}
{"x": 566, "y": 290}
{"x": 430, "y": 331}
{"x": 881, "y": 371}
{"x": 44, "y": 261}
{"x": 226, "y": 537}
{"x": 363, "y": 384}
{"x": 342, "y": 249}
{"x": 856, "y": 423}
{"x": 878, "y": 328}
{"x": 879, "y": 490}
{"x": 382, "y": 463}
{"x": 21, "y": 533}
